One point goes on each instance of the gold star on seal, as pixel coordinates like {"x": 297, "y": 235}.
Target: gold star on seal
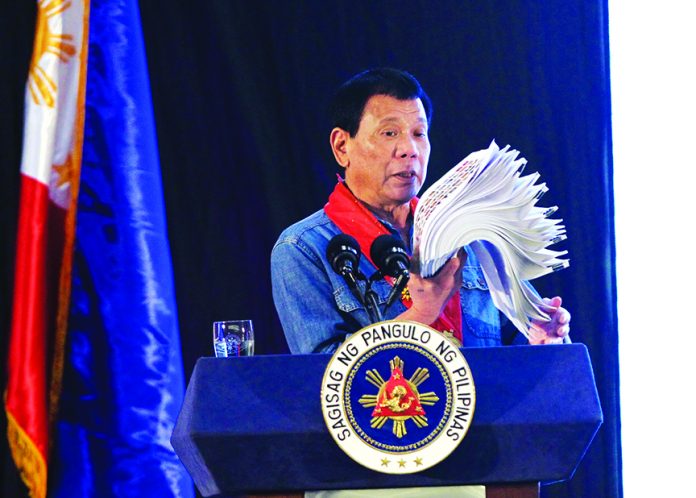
{"x": 385, "y": 462}
{"x": 402, "y": 463}
{"x": 418, "y": 461}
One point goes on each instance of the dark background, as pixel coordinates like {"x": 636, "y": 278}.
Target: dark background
{"x": 240, "y": 91}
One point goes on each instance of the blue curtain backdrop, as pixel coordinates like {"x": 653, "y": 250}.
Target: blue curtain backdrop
{"x": 240, "y": 91}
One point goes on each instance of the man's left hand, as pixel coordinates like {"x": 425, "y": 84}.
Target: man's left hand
{"x": 555, "y": 330}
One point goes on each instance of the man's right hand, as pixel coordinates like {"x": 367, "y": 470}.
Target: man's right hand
{"x": 430, "y": 295}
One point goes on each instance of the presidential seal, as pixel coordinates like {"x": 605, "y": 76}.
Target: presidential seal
{"x": 398, "y": 397}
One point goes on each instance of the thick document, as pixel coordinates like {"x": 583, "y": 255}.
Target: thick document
{"x": 485, "y": 202}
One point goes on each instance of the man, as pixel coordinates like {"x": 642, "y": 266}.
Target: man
{"x": 380, "y": 138}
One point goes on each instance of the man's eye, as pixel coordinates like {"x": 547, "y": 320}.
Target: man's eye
{"x": 391, "y": 133}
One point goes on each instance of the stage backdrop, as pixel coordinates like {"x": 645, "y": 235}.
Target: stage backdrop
{"x": 240, "y": 93}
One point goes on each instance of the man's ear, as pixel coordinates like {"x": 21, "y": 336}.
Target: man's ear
{"x": 339, "y": 146}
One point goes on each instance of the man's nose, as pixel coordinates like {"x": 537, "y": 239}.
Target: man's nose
{"x": 406, "y": 147}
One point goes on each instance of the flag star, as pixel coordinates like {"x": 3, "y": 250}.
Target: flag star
{"x": 64, "y": 172}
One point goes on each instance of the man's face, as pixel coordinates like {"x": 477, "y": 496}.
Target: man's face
{"x": 387, "y": 160}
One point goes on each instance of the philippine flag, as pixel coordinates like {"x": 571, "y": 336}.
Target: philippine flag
{"x": 95, "y": 377}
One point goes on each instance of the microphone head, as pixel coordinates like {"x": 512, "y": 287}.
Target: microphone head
{"x": 390, "y": 256}
{"x": 343, "y": 253}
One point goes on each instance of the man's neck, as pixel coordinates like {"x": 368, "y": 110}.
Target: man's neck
{"x": 399, "y": 217}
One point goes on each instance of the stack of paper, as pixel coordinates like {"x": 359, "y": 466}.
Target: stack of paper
{"x": 486, "y": 203}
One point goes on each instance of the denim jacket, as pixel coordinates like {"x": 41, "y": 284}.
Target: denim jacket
{"x": 317, "y": 309}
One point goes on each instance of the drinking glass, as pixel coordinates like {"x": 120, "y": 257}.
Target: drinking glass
{"x": 233, "y": 338}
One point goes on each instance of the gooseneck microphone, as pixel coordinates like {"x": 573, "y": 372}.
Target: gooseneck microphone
{"x": 390, "y": 256}
{"x": 343, "y": 253}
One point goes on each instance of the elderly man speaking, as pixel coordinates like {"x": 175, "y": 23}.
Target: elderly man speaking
{"x": 380, "y": 121}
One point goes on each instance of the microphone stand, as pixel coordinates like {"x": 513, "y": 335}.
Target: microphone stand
{"x": 399, "y": 285}
{"x": 352, "y": 282}
{"x": 371, "y": 298}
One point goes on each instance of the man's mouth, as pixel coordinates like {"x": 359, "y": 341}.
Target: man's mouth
{"x": 406, "y": 175}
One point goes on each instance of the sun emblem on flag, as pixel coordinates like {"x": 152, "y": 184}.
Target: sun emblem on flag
{"x": 398, "y": 398}
{"x": 42, "y": 86}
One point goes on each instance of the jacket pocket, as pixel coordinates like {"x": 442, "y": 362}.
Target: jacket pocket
{"x": 480, "y": 317}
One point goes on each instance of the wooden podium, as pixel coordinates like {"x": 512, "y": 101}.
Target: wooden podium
{"x": 253, "y": 425}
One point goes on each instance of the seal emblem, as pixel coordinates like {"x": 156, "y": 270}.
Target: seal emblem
{"x": 413, "y": 419}
{"x": 398, "y": 399}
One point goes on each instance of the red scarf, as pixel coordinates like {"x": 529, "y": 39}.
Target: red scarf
{"x": 353, "y": 218}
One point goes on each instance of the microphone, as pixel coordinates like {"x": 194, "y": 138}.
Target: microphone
{"x": 343, "y": 253}
{"x": 390, "y": 256}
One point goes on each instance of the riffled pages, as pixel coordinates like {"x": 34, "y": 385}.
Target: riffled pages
{"x": 485, "y": 202}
